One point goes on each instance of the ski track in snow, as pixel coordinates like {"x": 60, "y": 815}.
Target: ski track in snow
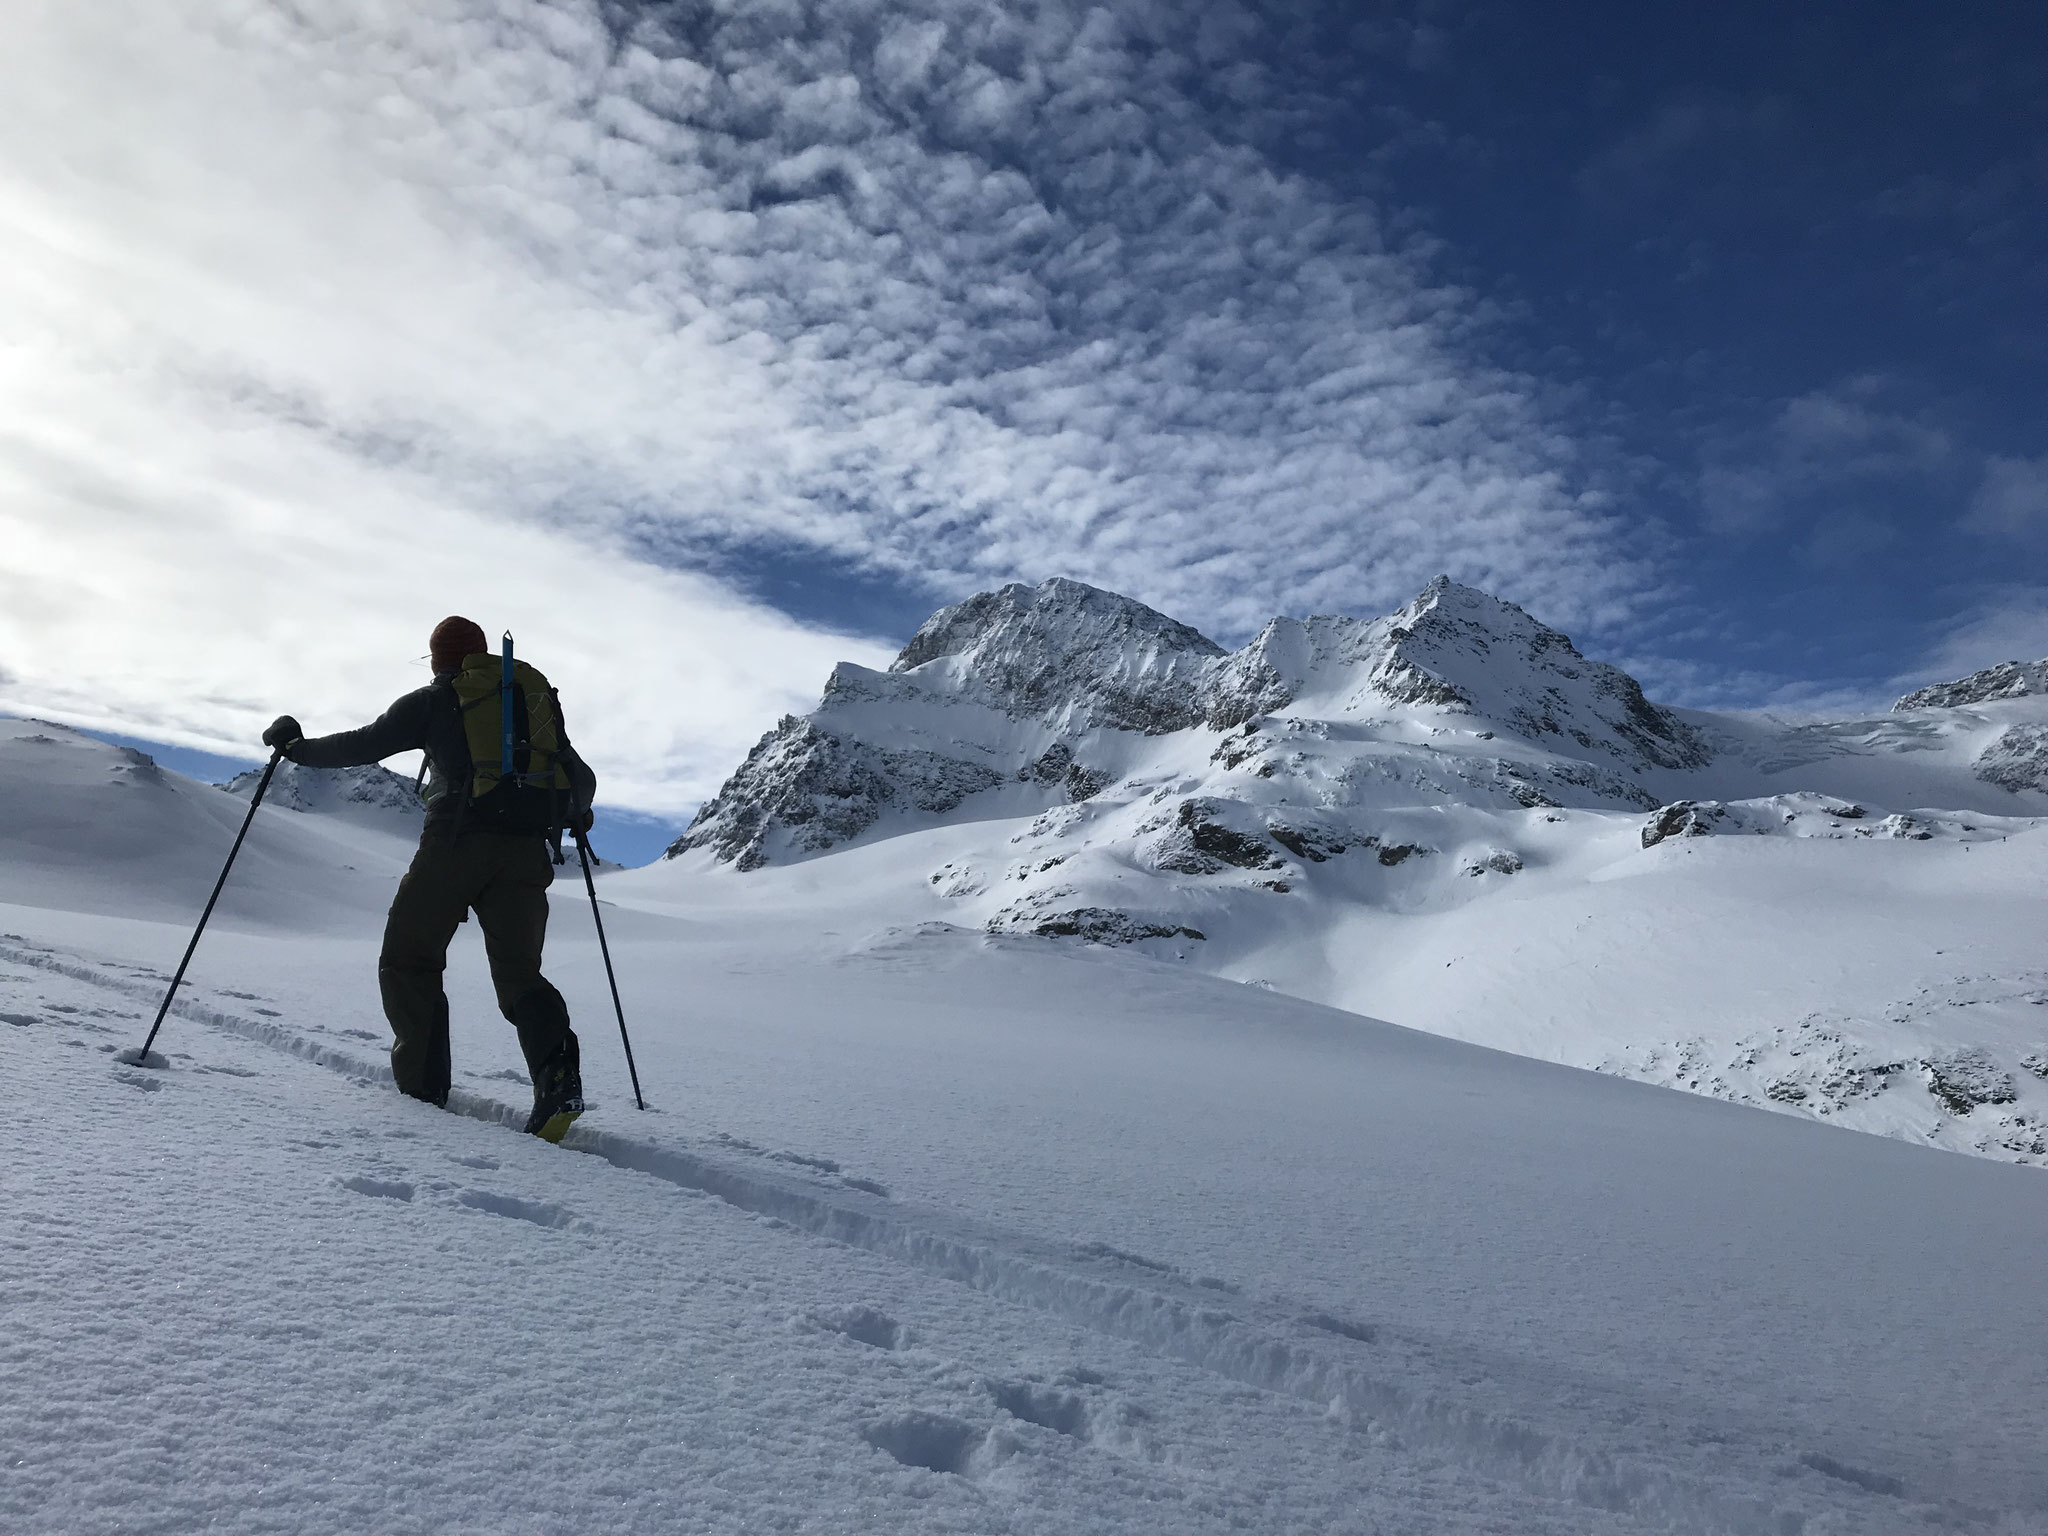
{"x": 1044, "y": 1387}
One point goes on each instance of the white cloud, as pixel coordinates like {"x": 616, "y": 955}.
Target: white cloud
{"x": 1838, "y": 453}
{"x": 2008, "y": 624}
{"x": 2012, "y": 500}
{"x": 316, "y": 316}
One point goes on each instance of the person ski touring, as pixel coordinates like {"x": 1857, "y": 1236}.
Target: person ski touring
{"x": 502, "y": 782}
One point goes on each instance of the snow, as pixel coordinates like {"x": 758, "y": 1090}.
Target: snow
{"x": 936, "y": 1229}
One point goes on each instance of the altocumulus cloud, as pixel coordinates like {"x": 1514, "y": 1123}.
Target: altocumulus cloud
{"x": 322, "y": 320}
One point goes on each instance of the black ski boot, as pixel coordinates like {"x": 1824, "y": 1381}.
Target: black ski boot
{"x": 557, "y": 1094}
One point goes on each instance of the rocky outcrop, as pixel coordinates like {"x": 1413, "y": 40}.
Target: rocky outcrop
{"x": 808, "y": 790}
{"x": 1684, "y": 818}
{"x": 2007, "y": 680}
{"x": 1103, "y": 925}
{"x": 295, "y": 787}
{"x": 2017, "y": 760}
{"x": 1966, "y": 1078}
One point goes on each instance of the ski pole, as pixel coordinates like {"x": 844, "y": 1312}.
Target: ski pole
{"x": 589, "y": 884}
{"x": 141, "y": 1057}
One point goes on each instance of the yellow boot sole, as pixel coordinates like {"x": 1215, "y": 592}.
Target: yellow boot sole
{"x": 556, "y": 1126}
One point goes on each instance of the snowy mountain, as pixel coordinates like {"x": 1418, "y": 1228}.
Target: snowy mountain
{"x": 1064, "y": 688}
{"x": 372, "y": 793}
{"x": 94, "y": 816}
{"x": 1312, "y": 811}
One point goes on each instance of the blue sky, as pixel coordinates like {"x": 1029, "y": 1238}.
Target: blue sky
{"x": 705, "y": 345}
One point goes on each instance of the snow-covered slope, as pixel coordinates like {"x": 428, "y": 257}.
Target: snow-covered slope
{"x": 935, "y": 1229}
{"x": 1312, "y": 810}
{"x": 97, "y": 828}
{"x": 1006, "y": 1236}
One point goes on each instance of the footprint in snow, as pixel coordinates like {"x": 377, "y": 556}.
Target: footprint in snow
{"x": 1106, "y": 1421}
{"x": 805, "y": 1160}
{"x": 933, "y": 1441}
{"x": 381, "y": 1189}
{"x": 1343, "y": 1327}
{"x": 864, "y": 1325}
{"x": 537, "y": 1212}
{"x": 1063, "y": 1412}
{"x": 1869, "y": 1482}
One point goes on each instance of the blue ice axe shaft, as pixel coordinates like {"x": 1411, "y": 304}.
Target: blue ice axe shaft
{"x": 505, "y": 720}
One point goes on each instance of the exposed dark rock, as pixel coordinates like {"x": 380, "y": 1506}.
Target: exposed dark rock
{"x": 2017, "y": 760}
{"x": 1104, "y": 925}
{"x": 2007, "y": 680}
{"x": 1085, "y": 783}
{"x": 1496, "y": 861}
{"x": 1398, "y": 853}
{"x": 823, "y": 789}
{"x": 1051, "y": 765}
{"x": 1056, "y": 765}
{"x": 1220, "y": 842}
{"x": 1315, "y": 846}
{"x": 1237, "y": 748}
{"x": 1683, "y": 818}
{"x": 1967, "y": 1078}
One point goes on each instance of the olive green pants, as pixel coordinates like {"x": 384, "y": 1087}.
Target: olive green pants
{"x": 504, "y": 879}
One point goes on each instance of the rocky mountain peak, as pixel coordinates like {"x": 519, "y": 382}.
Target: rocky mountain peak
{"x": 2007, "y": 680}
{"x": 1061, "y": 620}
{"x": 1065, "y": 652}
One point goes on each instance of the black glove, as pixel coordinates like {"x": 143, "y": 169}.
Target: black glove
{"x": 580, "y": 822}
{"x": 284, "y": 734}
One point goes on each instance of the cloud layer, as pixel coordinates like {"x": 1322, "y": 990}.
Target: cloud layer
{"x": 322, "y": 321}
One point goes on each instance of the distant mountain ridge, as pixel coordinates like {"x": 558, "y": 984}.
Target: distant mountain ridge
{"x": 372, "y": 789}
{"x": 1033, "y": 686}
{"x": 2007, "y": 680}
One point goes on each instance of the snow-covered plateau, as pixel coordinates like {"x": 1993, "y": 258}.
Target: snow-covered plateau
{"x": 1096, "y": 1083}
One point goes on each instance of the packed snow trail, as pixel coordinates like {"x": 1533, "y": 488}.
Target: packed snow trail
{"x": 246, "y": 1297}
{"x": 1496, "y": 1419}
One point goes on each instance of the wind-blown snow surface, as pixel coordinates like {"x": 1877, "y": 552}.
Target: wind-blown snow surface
{"x": 928, "y": 1230}
{"x": 1452, "y": 819}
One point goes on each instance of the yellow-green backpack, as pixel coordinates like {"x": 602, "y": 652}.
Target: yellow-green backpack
{"x": 516, "y": 778}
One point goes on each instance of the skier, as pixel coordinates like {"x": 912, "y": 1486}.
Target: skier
{"x": 485, "y": 849}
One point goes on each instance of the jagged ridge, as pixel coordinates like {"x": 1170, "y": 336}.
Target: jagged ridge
{"x": 989, "y": 690}
{"x": 2007, "y": 680}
